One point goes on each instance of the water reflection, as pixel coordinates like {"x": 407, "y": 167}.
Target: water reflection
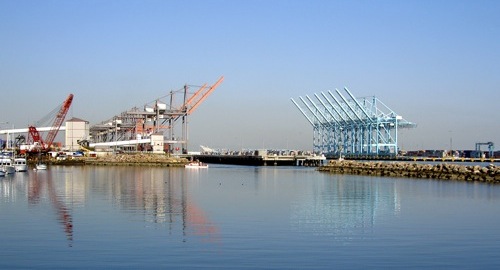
{"x": 160, "y": 195}
{"x": 42, "y": 182}
{"x": 341, "y": 205}
{"x": 168, "y": 198}
{"x": 157, "y": 195}
{"x": 8, "y": 189}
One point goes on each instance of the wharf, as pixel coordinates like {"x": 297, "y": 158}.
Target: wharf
{"x": 422, "y": 159}
{"x": 263, "y": 159}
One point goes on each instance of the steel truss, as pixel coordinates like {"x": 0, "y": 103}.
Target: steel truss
{"x": 352, "y": 126}
{"x": 161, "y": 116}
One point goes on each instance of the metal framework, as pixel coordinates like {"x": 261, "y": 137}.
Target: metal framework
{"x": 491, "y": 148}
{"x": 161, "y": 116}
{"x": 352, "y": 126}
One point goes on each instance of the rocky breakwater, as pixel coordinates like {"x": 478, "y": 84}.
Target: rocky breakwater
{"x": 488, "y": 174}
{"x": 137, "y": 160}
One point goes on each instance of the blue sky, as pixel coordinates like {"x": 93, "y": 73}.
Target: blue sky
{"x": 435, "y": 63}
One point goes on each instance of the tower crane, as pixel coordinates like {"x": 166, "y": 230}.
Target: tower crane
{"x": 34, "y": 136}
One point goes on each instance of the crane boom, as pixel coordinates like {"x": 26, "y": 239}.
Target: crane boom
{"x": 58, "y": 121}
{"x": 35, "y": 135}
{"x": 204, "y": 96}
{"x": 194, "y": 95}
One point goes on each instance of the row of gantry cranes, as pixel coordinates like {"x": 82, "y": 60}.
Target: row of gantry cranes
{"x": 342, "y": 125}
{"x": 347, "y": 126}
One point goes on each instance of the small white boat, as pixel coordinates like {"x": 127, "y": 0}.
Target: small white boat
{"x": 6, "y": 166}
{"x": 41, "y": 166}
{"x": 21, "y": 165}
{"x": 196, "y": 165}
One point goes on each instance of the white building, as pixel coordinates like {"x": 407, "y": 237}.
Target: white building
{"x": 157, "y": 143}
{"x": 76, "y": 130}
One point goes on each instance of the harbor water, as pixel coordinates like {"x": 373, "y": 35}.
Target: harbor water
{"x": 238, "y": 217}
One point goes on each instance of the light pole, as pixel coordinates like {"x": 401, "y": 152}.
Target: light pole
{"x": 451, "y": 142}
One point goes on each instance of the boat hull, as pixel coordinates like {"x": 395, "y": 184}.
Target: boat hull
{"x": 41, "y": 167}
{"x": 6, "y": 166}
{"x": 196, "y": 165}
{"x": 20, "y": 165}
{"x": 9, "y": 169}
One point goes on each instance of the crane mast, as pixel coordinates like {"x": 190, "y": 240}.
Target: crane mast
{"x": 56, "y": 125}
{"x": 59, "y": 120}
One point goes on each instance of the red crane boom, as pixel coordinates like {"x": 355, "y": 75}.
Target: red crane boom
{"x": 197, "y": 100}
{"x": 35, "y": 135}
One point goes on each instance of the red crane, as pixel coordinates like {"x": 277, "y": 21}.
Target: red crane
{"x": 198, "y": 97}
{"x": 34, "y": 135}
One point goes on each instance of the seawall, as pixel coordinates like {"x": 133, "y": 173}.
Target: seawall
{"x": 489, "y": 174}
{"x": 125, "y": 160}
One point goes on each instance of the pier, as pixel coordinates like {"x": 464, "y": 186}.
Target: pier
{"x": 422, "y": 159}
{"x": 263, "y": 158}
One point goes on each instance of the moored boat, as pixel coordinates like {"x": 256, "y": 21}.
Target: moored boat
{"x": 41, "y": 166}
{"x": 196, "y": 164}
{"x": 20, "y": 164}
{"x": 6, "y": 166}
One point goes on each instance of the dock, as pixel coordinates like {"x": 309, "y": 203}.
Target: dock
{"x": 263, "y": 158}
{"x": 423, "y": 159}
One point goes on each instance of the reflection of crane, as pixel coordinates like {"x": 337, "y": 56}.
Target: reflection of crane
{"x": 491, "y": 148}
{"x": 64, "y": 215}
{"x": 34, "y": 136}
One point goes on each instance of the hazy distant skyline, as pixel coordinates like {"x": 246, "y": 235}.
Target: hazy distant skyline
{"x": 436, "y": 63}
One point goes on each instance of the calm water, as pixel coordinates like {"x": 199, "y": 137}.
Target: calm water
{"x": 243, "y": 217}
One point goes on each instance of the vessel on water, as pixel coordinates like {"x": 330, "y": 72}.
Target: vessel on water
{"x": 40, "y": 166}
{"x": 20, "y": 164}
{"x": 196, "y": 165}
{"x": 6, "y": 166}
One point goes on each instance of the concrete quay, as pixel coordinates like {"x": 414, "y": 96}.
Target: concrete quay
{"x": 443, "y": 171}
{"x": 419, "y": 158}
{"x": 264, "y": 159}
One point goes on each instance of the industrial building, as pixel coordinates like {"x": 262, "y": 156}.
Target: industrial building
{"x": 76, "y": 131}
{"x": 158, "y": 126}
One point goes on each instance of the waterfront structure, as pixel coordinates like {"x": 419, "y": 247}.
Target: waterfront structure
{"x": 76, "y": 130}
{"x": 153, "y": 127}
{"x": 352, "y": 127}
{"x": 138, "y": 128}
{"x": 262, "y": 157}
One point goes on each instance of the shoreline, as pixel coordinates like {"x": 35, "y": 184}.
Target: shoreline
{"x": 441, "y": 171}
{"x": 123, "y": 160}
